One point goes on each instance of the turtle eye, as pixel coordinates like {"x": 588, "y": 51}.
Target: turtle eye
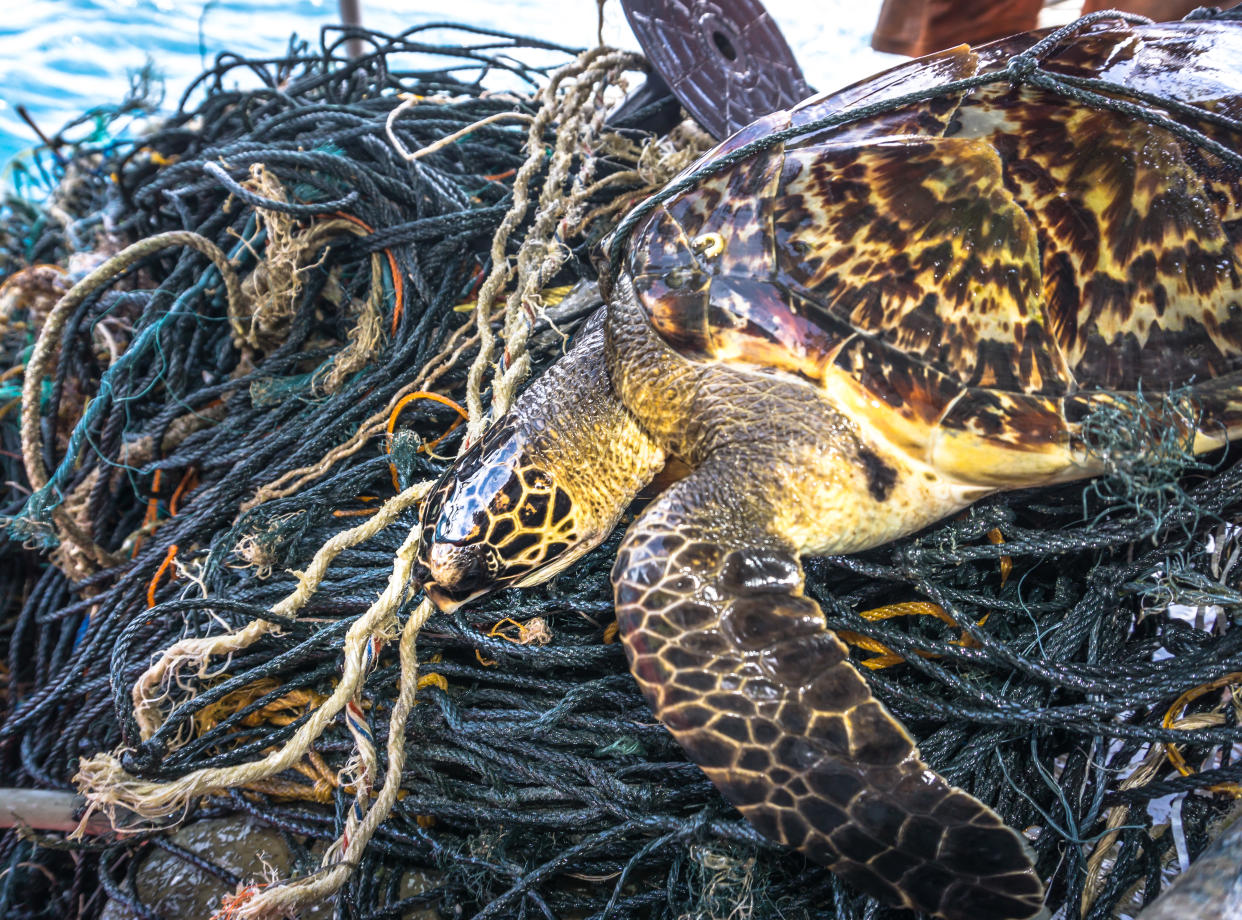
{"x": 683, "y": 277}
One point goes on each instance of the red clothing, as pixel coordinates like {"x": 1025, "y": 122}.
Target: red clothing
{"x": 918, "y": 27}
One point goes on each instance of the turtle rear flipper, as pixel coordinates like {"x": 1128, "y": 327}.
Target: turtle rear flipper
{"x": 741, "y": 668}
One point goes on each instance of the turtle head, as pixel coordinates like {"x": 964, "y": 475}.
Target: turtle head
{"x": 545, "y": 485}
{"x": 497, "y": 518}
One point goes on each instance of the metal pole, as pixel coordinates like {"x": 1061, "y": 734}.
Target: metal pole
{"x": 47, "y": 810}
{"x": 351, "y": 15}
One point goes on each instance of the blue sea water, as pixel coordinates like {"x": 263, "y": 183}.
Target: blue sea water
{"x": 59, "y": 58}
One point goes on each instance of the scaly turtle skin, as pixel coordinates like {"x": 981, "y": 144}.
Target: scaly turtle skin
{"x": 846, "y": 338}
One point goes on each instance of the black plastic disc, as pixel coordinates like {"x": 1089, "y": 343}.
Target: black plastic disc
{"x": 725, "y": 60}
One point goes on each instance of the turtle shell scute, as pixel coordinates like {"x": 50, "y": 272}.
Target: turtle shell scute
{"x": 956, "y": 268}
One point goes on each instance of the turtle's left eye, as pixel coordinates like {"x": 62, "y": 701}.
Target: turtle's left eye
{"x": 678, "y": 278}
{"x": 494, "y": 518}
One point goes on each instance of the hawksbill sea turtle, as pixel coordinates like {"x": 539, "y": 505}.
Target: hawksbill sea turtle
{"x": 846, "y": 337}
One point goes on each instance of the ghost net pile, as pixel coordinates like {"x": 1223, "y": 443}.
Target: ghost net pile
{"x": 292, "y": 294}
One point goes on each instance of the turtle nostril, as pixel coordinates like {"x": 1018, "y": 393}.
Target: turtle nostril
{"x": 419, "y": 575}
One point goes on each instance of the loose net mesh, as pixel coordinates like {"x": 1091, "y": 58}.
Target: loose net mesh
{"x": 295, "y": 293}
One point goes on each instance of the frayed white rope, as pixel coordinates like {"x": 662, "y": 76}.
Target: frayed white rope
{"x": 106, "y": 784}
{"x": 195, "y": 653}
{"x": 342, "y": 858}
{"x": 573, "y": 100}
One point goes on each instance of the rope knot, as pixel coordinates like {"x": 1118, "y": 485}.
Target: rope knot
{"x": 140, "y": 761}
{"x": 1021, "y": 66}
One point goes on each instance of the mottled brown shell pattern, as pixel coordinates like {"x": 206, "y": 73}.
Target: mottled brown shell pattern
{"x": 969, "y": 273}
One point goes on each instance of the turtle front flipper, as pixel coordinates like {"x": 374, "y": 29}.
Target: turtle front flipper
{"x": 740, "y": 667}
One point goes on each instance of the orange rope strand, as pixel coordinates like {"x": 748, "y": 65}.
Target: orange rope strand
{"x": 188, "y": 482}
{"x": 153, "y": 503}
{"x": 153, "y": 510}
{"x": 398, "y": 288}
{"x": 995, "y": 537}
{"x": 396, "y": 411}
{"x": 1171, "y": 717}
{"x": 885, "y": 656}
{"x": 155, "y": 580}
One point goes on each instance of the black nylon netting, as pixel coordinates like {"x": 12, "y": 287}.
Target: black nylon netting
{"x": 537, "y": 784}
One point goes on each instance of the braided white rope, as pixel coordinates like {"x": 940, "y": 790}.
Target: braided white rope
{"x": 196, "y": 653}
{"x": 572, "y": 100}
{"x": 106, "y": 784}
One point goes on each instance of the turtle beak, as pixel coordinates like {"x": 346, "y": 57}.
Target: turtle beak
{"x": 440, "y": 599}
{"x": 454, "y": 575}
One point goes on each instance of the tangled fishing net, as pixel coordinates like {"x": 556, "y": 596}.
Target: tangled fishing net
{"x": 247, "y": 341}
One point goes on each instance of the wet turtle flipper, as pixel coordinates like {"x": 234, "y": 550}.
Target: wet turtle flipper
{"x": 740, "y": 667}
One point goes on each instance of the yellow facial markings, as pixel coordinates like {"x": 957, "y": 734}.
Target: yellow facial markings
{"x": 532, "y": 525}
